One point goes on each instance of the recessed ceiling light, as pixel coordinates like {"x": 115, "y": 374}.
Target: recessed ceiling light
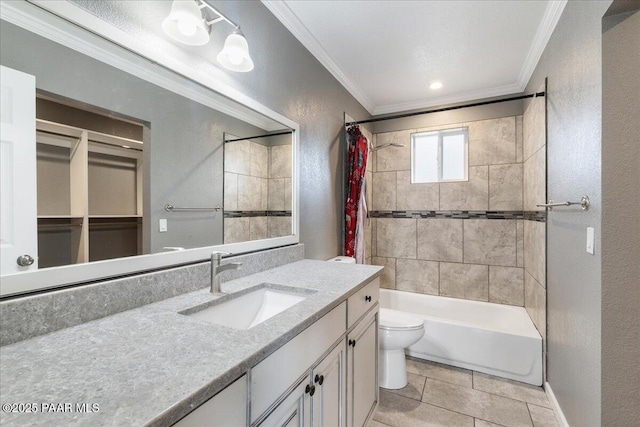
{"x": 435, "y": 85}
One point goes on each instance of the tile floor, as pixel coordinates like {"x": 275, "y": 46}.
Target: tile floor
{"x": 441, "y": 395}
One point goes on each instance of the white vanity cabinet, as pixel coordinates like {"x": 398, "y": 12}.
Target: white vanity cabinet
{"x": 317, "y": 400}
{"x": 291, "y": 363}
{"x": 326, "y": 376}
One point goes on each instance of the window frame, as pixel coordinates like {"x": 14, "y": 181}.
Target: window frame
{"x": 464, "y": 131}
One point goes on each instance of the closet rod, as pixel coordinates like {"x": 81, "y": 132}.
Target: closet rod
{"x": 440, "y": 110}
{"x": 259, "y": 136}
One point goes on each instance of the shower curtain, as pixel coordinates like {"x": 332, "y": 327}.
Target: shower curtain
{"x": 356, "y": 208}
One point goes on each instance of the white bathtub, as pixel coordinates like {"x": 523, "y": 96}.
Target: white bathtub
{"x": 492, "y": 338}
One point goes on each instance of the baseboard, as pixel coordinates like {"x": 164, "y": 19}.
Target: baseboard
{"x": 562, "y": 420}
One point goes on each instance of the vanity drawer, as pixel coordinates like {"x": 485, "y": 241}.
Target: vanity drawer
{"x": 361, "y": 301}
{"x": 271, "y": 378}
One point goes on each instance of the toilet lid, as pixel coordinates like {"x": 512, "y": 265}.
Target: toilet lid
{"x": 395, "y": 319}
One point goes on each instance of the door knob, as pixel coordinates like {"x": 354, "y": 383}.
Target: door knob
{"x": 25, "y": 260}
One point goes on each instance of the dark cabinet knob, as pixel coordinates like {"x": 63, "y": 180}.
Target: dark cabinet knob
{"x": 367, "y": 298}
{"x": 308, "y": 389}
{"x": 313, "y": 390}
{"x": 352, "y": 343}
{"x": 319, "y": 379}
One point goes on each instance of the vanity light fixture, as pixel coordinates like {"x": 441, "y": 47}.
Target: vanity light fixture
{"x": 435, "y": 85}
{"x": 187, "y": 24}
{"x": 235, "y": 53}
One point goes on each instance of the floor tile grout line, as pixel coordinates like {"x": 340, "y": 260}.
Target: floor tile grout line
{"x": 424, "y": 387}
{"x": 486, "y": 421}
{"x": 437, "y": 379}
{"x": 473, "y": 385}
{"x": 530, "y": 416}
{"x": 380, "y": 422}
{"x": 421, "y": 401}
{"x": 440, "y": 407}
{"x": 450, "y": 410}
{"x": 486, "y": 392}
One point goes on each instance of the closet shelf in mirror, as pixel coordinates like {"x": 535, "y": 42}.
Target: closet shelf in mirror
{"x": 114, "y": 216}
{"x": 60, "y": 216}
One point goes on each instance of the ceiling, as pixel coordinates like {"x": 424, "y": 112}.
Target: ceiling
{"x": 386, "y": 53}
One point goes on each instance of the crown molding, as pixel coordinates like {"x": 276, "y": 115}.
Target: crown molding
{"x": 446, "y": 100}
{"x": 545, "y": 30}
{"x": 291, "y": 21}
{"x": 124, "y": 52}
{"x": 548, "y": 24}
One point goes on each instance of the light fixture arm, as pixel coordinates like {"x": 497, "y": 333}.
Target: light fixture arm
{"x": 220, "y": 16}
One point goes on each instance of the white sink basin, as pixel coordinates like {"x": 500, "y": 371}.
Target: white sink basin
{"x": 248, "y": 310}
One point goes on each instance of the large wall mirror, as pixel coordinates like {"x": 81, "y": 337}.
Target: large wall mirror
{"x": 114, "y": 164}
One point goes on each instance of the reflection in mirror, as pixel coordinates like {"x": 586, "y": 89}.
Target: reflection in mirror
{"x": 89, "y": 185}
{"x": 111, "y": 145}
{"x": 257, "y": 188}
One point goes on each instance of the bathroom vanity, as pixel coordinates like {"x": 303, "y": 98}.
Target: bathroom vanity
{"x": 314, "y": 363}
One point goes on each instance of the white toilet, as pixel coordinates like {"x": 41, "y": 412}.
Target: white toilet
{"x": 397, "y": 330}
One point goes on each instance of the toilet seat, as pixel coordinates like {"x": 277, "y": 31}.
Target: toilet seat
{"x": 395, "y": 320}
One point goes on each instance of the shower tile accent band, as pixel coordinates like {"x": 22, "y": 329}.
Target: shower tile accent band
{"x": 539, "y": 216}
{"x": 241, "y": 214}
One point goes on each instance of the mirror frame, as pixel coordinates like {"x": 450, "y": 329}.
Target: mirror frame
{"x": 68, "y": 25}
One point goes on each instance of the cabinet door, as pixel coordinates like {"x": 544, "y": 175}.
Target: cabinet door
{"x": 294, "y": 411}
{"x": 227, "y": 408}
{"x": 362, "y": 357}
{"x": 329, "y": 380}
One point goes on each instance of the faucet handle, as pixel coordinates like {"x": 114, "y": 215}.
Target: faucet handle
{"x": 217, "y": 255}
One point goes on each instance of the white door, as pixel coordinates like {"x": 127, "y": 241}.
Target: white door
{"x": 18, "y": 214}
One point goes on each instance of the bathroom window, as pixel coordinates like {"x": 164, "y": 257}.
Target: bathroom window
{"x": 440, "y": 156}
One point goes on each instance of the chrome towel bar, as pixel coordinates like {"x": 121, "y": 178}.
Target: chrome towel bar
{"x": 170, "y": 208}
{"x": 584, "y": 202}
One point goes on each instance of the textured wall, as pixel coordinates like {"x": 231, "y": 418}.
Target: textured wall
{"x": 287, "y": 79}
{"x": 620, "y": 220}
{"x": 572, "y": 62}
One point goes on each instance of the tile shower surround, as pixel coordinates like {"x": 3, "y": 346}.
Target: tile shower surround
{"x": 478, "y": 259}
{"x": 534, "y": 156}
{"x": 460, "y": 239}
{"x": 257, "y": 180}
{"x": 483, "y": 239}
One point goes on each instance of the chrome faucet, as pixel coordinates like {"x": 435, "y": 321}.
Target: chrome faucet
{"x": 216, "y": 269}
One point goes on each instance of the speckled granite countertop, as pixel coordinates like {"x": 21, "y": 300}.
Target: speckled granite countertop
{"x": 152, "y": 365}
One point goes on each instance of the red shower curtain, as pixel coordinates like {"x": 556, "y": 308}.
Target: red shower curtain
{"x": 357, "y": 165}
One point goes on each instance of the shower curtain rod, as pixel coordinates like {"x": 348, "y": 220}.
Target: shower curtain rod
{"x": 259, "y": 136}
{"x": 440, "y": 110}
